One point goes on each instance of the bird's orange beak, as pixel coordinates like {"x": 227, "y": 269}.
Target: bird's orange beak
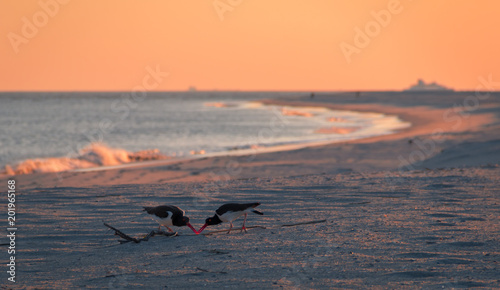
{"x": 202, "y": 228}
{"x": 191, "y": 227}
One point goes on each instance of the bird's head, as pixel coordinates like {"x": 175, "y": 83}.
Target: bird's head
{"x": 185, "y": 221}
{"x": 210, "y": 222}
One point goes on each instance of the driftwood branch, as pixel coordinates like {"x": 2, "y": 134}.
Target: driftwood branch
{"x": 264, "y": 228}
{"x": 207, "y": 271}
{"x": 303, "y": 223}
{"x": 233, "y": 229}
{"x": 126, "y": 238}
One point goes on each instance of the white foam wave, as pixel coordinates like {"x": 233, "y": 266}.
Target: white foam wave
{"x": 94, "y": 155}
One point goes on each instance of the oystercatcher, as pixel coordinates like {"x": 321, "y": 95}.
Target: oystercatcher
{"x": 169, "y": 215}
{"x": 229, "y": 212}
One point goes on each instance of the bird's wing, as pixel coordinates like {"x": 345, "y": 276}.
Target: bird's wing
{"x": 235, "y": 207}
{"x": 165, "y": 211}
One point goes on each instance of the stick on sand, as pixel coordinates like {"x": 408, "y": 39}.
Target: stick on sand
{"x": 135, "y": 240}
{"x": 154, "y": 233}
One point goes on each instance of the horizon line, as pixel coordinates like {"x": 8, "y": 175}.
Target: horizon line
{"x": 248, "y": 91}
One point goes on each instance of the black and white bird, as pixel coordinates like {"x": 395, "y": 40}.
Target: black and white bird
{"x": 169, "y": 215}
{"x": 230, "y": 212}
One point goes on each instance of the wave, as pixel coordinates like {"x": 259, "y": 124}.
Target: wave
{"x": 337, "y": 130}
{"x": 219, "y": 105}
{"x": 94, "y": 155}
{"x": 296, "y": 112}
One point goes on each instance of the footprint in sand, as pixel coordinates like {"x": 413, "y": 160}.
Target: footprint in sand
{"x": 413, "y": 274}
{"x": 439, "y": 186}
{"x": 466, "y": 219}
{"x": 421, "y": 255}
{"x": 464, "y": 284}
{"x": 430, "y": 238}
{"x": 452, "y": 261}
{"x": 465, "y": 244}
{"x": 442, "y": 215}
{"x": 442, "y": 224}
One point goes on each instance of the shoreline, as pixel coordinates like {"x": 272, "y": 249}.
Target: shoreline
{"x": 426, "y": 121}
{"x": 163, "y": 160}
{"x": 420, "y": 117}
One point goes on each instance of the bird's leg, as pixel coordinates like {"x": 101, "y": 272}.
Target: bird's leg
{"x": 243, "y": 227}
{"x": 230, "y": 227}
{"x": 169, "y": 229}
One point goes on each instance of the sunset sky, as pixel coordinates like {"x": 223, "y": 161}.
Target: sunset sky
{"x": 265, "y": 45}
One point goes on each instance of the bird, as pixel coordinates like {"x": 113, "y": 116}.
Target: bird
{"x": 169, "y": 215}
{"x": 230, "y": 212}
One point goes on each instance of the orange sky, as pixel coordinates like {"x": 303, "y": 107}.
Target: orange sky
{"x": 103, "y": 45}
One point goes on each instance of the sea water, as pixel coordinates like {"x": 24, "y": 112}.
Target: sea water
{"x": 65, "y": 126}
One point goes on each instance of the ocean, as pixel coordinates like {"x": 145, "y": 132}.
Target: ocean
{"x": 62, "y": 131}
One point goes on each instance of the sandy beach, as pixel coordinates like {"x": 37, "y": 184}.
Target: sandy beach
{"x": 415, "y": 209}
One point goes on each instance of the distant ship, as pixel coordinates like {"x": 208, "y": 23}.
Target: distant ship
{"x": 421, "y": 86}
